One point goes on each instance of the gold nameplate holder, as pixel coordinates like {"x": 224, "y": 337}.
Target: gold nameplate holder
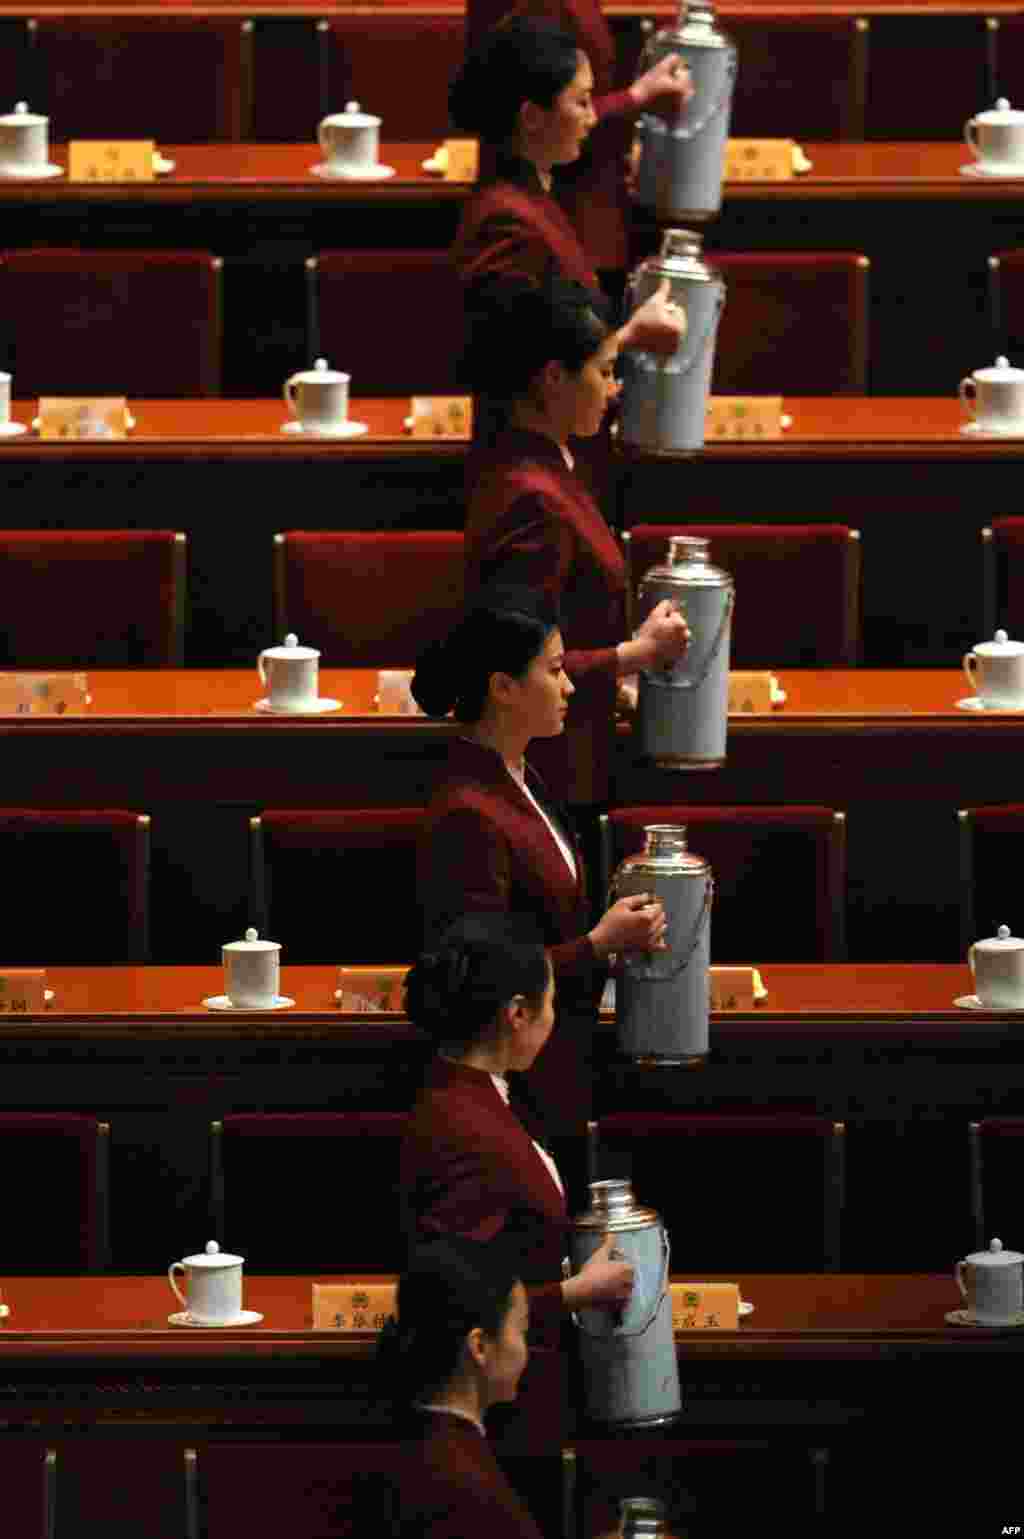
{"x": 752, "y": 693}
{"x": 111, "y": 160}
{"x": 701, "y": 1306}
{"x": 441, "y": 416}
{"x": 759, "y": 160}
{"x": 735, "y": 988}
{"x": 43, "y": 694}
{"x": 83, "y": 417}
{"x": 359, "y": 1307}
{"x": 462, "y": 160}
{"x": 22, "y": 990}
{"x": 369, "y": 990}
{"x": 746, "y": 417}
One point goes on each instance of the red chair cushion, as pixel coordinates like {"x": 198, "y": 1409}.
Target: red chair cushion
{"x": 998, "y": 848}
{"x": 50, "y": 1214}
{"x": 1008, "y": 533}
{"x": 398, "y": 67}
{"x": 808, "y": 62}
{"x": 310, "y": 1490}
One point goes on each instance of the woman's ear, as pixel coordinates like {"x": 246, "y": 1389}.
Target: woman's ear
{"x": 476, "y": 1346}
{"x": 501, "y": 688}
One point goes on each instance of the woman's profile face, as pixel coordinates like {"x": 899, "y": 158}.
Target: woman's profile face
{"x": 532, "y": 1037}
{"x": 562, "y": 129}
{"x": 508, "y": 1350}
{"x": 593, "y": 389}
{"x": 539, "y": 699}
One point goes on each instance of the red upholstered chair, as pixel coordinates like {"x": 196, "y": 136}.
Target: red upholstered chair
{"x": 82, "y": 885}
{"x": 744, "y": 1192}
{"x": 310, "y": 1490}
{"x": 1002, "y": 552}
{"x": 56, "y": 1210}
{"x": 136, "y": 323}
{"x": 368, "y": 599}
{"x": 804, "y": 76}
{"x": 176, "y": 79}
{"x": 794, "y": 323}
{"x": 961, "y": 54}
{"x": 92, "y": 598}
{"x": 991, "y": 841}
{"x": 392, "y": 319}
{"x": 798, "y": 591}
{"x": 150, "y": 1492}
{"x": 28, "y": 1479}
{"x": 270, "y": 1173}
{"x": 996, "y": 1158}
{"x": 780, "y": 875}
{"x": 397, "y": 66}
{"x": 346, "y": 857}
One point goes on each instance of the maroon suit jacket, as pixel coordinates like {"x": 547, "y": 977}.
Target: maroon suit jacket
{"x": 512, "y": 228}
{"x": 531, "y": 521}
{"x": 451, "y": 1486}
{"x": 593, "y": 191}
{"x": 486, "y": 849}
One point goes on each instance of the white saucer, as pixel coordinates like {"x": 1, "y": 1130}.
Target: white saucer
{"x": 964, "y": 1317}
{"x": 996, "y": 169}
{"x": 972, "y": 1002}
{"x": 162, "y": 166}
{"x": 745, "y": 1309}
{"x": 976, "y": 430}
{"x": 347, "y": 429}
{"x": 318, "y": 708}
{"x": 975, "y": 703}
{"x": 370, "y": 174}
{"x": 222, "y": 1002}
{"x": 12, "y": 429}
{"x": 247, "y": 1317}
{"x": 31, "y": 174}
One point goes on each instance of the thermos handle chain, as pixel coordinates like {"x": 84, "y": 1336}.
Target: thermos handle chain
{"x": 654, "y": 972}
{"x": 662, "y": 1289}
{"x": 716, "y": 647}
{"x": 690, "y": 128}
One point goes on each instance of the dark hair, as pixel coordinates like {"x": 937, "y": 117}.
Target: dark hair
{"x": 481, "y": 962}
{"x": 449, "y": 1287}
{"x": 513, "y": 328}
{"x": 502, "y": 632}
{"x": 517, "y": 61}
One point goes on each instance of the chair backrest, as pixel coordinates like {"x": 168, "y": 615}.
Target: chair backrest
{"x": 397, "y": 67}
{"x": 996, "y": 1168}
{"x": 102, "y": 322}
{"x": 1002, "y": 546}
{"x": 991, "y": 847}
{"x": 105, "y": 1493}
{"x": 798, "y": 588}
{"x": 780, "y": 875}
{"x": 28, "y": 1479}
{"x": 750, "y": 1192}
{"x": 93, "y": 598}
{"x": 312, "y": 1490}
{"x": 176, "y": 79}
{"x": 82, "y": 883}
{"x": 351, "y": 1158}
{"x": 367, "y": 599}
{"x": 62, "y": 1160}
{"x": 318, "y": 880}
{"x": 816, "y": 64}
{"x": 961, "y": 52}
{"x": 794, "y": 323}
{"x": 392, "y": 319}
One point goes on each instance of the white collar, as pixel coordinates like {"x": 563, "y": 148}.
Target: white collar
{"x": 453, "y": 1410}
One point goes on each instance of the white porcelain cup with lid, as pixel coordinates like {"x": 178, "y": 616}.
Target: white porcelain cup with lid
{"x": 994, "y": 397}
{"x": 290, "y": 675}
{"x": 213, "y": 1286}
{"x": 252, "y": 972}
{"x": 992, "y": 1284}
{"x": 24, "y": 140}
{"x": 997, "y": 967}
{"x": 995, "y": 671}
{"x": 996, "y": 137}
{"x": 318, "y": 397}
{"x": 350, "y": 140}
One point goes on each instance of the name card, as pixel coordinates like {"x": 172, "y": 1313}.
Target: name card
{"x": 43, "y": 694}
{"x": 441, "y": 416}
{"x": 743, "y": 417}
{"x": 735, "y": 988}
{"x": 111, "y": 160}
{"x": 363, "y": 990}
{"x": 353, "y": 1306}
{"x": 759, "y": 160}
{"x": 66, "y": 416}
{"x": 22, "y": 989}
{"x": 461, "y": 160}
{"x": 394, "y": 697}
{"x": 703, "y": 1306}
{"x": 751, "y": 692}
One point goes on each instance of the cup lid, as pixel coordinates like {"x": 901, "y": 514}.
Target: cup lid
{"x": 252, "y": 942}
{"x": 352, "y": 117}
{"x": 1001, "y": 370}
{"x": 21, "y": 116}
{"x": 212, "y": 1257}
{"x": 999, "y": 646}
{"x": 291, "y": 649}
{"x": 320, "y": 374}
{"x": 1002, "y": 113}
{"x": 1002, "y": 940}
{"x": 994, "y": 1256}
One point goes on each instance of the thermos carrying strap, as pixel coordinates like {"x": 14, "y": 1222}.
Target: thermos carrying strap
{"x": 650, "y": 971}
{"x": 716, "y": 646}
{"x": 641, "y": 1330}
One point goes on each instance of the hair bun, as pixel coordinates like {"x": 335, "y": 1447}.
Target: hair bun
{"x": 434, "y": 685}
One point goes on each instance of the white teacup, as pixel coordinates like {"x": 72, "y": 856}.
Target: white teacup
{"x": 996, "y": 137}
{"x": 318, "y": 397}
{"x": 992, "y": 1284}
{"x": 994, "y": 397}
{"x": 350, "y": 141}
{"x": 24, "y": 140}
{"x": 213, "y": 1286}
{"x": 997, "y": 967}
{"x": 252, "y": 972}
{"x": 995, "y": 671}
{"x": 290, "y": 675}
